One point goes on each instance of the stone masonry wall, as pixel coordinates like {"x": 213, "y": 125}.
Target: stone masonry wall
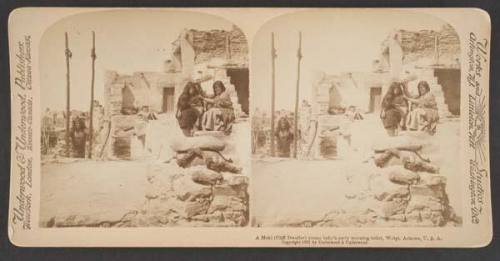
{"x": 421, "y": 44}
{"x": 231, "y": 45}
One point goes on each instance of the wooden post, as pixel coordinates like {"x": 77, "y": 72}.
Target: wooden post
{"x": 273, "y": 83}
{"x": 91, "y": 127}
{"x": 228, "y": 47}
{"x": 436, "y": 49}
{"x": 295, "y": 129}
{"x": 68, "y": 113}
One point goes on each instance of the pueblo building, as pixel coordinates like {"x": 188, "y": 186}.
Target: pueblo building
{"x": 432, "y": 56}
{"x": 202, "y": 56}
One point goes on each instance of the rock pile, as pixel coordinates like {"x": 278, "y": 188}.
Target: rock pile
{"x": 408, "y": 190}
{"x": 206, "y": 190}
{"x": 193, "y": 197}
{"x": 177, "y": 197}
{"x": 408, "y": 198}
{"x": 393, "y": 194}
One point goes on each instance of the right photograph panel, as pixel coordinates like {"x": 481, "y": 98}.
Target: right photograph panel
{"x": 356, "y": 120}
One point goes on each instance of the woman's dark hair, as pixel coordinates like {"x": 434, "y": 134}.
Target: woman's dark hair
{"x": 425, "y": 85}
{"x": 198, "y": 88}
{"x": 283, "y": 121}
{"x": 218, "y": 84}
{"x": 189, "y": 86}
{"x": 390, "y": 92}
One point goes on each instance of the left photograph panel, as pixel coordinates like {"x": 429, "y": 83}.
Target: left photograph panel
{"x": 145, "y": 121}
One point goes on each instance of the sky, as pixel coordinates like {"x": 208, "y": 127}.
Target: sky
{"x": 134, "y": 40}
{"x": 333, "y": 41}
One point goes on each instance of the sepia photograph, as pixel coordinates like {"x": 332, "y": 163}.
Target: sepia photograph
{"x": 361, "y": 126}
{"x": 145, "y": 119}
{"x": 250, "y": 127}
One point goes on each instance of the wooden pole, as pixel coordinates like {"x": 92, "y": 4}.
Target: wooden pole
{"x": 273, "y": 93}
{"x": 91, "y": 127}
{"x": 436, "y": 49}
{"x": 68, "y": 113}
{"x": 295, "y": 129}
{"x": 228, "y": 47}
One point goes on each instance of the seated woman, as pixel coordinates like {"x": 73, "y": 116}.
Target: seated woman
{"x": 425, "y": 116}
{"x": 220, "y": 113}
{"x": 187, "y": 108}
{"x": 394, "y": 109}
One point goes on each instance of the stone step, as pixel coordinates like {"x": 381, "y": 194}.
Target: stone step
{"x": 437, "y": 90}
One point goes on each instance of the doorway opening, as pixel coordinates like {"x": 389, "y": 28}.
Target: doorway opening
{"x": 375, "y": 99}
{"x": 168, "y": 99}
